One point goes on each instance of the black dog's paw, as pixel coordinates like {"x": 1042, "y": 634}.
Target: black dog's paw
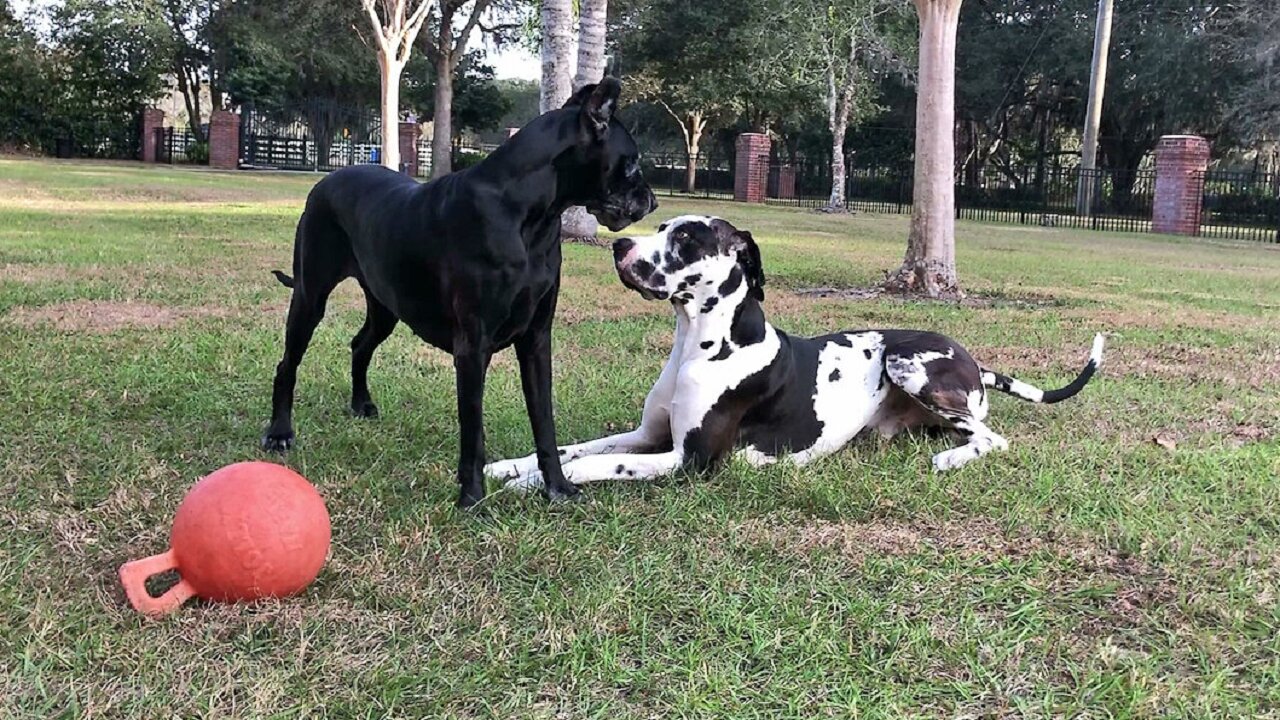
{"x": 364, "y": 409}
{"x": 274, "y": 441}
{"x": 563, "y": 493}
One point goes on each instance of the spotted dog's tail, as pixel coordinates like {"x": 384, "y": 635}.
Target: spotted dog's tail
{"x": 1017, "y": 388}
{"x": 285, "y": 280}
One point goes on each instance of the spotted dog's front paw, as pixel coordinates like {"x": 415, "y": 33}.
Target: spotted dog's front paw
{"x": 508, "y": 469}
{"x": 954, "y": 458}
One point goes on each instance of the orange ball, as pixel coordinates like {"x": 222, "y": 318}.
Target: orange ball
{"x": 248, "y": 531}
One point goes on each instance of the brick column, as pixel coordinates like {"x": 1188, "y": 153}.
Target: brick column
{"x": 152, "y": 120}
{"x": 224, "y": 140}
{"x": 1181, "y": 161}
{"x": 751, "y": 167}
{"x": 409, "y": 132}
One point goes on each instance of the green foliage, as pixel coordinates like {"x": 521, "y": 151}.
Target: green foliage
{"x": 1023, "y": 66}
{"x": 478, "y": 101}
{"x": 286, "y": 52}
{"x": 24, "y": 80}
{"x": 198, "y": 153}
{"x": 464, "y": 160}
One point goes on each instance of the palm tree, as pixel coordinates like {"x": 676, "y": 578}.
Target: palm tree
{"x": 929, "y": 267}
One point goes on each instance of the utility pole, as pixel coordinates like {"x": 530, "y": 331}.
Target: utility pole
{"x": 1097, "y": 86}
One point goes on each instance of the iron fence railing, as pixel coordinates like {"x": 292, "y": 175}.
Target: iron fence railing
{"x": 180, "y": 145}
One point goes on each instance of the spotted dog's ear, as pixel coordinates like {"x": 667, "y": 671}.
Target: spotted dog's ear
{"x": 598, "y": 104}
{"x": 749, "y": 259}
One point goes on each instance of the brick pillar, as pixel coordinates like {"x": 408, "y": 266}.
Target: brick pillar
{"x": 751, "y": 167}
{"x": 224, "y": 140}
{"x": 1181, "y": 161}
{"x": 786, "y": 183}
{"x": 152, "y": 120}
{"x": 409, "y": 133}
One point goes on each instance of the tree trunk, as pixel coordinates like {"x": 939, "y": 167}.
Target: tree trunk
{"x": 557, "y": 17}
{"x": 838, "y": 173}
{"x": 391, "y": 70}
{"x": 442, "y": 121}
{"x": 929, "y": 267}
{"x": 577, "y": 223}
{"x": 591, "y": 27}
{"x": 693, "y": 138}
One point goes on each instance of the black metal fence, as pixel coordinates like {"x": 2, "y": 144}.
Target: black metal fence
{"x": 317, "y": 135}
{"x": 180, "y": 145}
{"x": 1243, "y": 206}
{"x": 704, "y": 175}
{"x": 104, "y": 140}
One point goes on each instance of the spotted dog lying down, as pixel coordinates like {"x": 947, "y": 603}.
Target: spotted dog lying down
{"x": 734, "y": 382}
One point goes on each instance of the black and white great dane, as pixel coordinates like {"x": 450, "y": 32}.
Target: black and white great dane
{"x": 734, "y": 383}
{"x": 470, "y": 262}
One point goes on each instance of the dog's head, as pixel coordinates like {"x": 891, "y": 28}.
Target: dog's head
{"x": 606, "y": 176}
{"x": 693, "y": 260}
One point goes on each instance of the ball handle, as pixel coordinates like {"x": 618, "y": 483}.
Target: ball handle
{"x": 134, "y": 574}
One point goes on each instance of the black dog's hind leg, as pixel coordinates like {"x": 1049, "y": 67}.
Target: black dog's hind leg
{"x": 379, "y": 322}
{"x": 316, "y": 277}
{"x": 533, "y": 350}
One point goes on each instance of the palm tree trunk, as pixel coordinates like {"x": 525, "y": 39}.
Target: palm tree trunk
{"x": 929, "y": 266}
{"x": 557, "y": 16}
{"x": 577, "y": 223}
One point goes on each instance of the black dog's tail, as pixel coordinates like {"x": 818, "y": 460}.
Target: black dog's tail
{"x": 285, "y": 280}
{"x": 1019, "y": 389}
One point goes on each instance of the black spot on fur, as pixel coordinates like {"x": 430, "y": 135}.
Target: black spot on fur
{"x": 618, "y": 470}
{"x": 835, "y": 375}
{"x": 693, "y": 278}
{"x": 841, "y": 340}
{"x": 658, "y": 279}
{"x": 731, "y": 283}
{"x": 710, "y": 304}
{"x": 643, "y": 269}
{"x": 706, "y": 344}
{"x": 866, "y": 352}
{"x": 631, "y": 473}
{"x": 562, "y": 451}
{"x": 662, "y": 227}
{"x": 657, "y": 256}
{"x": 884, "y": 376}
{"x": 725, "y": 351}
{"x": 748, "y": 324}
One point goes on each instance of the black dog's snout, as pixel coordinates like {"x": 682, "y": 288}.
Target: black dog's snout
{"x": 621, "y": 247}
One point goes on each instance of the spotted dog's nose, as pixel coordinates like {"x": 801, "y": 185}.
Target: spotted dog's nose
{"x": 621, "y": 247}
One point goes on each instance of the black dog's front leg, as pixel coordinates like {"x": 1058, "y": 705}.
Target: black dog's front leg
{"x": 533, "y": 350}
{"x": 471, "y": 363}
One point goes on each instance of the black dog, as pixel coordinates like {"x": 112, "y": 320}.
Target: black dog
{"x": 470, "y": 262}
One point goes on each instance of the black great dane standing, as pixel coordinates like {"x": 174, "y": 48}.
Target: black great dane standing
{"x": 470, "y": 262}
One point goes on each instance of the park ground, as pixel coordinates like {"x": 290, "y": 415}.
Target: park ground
{"x": 1120, "y": 560}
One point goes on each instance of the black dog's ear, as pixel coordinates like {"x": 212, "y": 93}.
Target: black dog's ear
{"x": 579, "y": 98}
{"x": 598, "y": 103}
{"x": 749, "y": 259}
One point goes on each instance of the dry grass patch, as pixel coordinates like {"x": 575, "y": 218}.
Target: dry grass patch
{"x": 105, "y": 316}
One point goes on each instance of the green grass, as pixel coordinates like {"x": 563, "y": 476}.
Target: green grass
{"x": 1087, "y": 572}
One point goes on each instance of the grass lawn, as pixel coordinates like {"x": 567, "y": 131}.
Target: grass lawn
{"x": 1119, "y": 561}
